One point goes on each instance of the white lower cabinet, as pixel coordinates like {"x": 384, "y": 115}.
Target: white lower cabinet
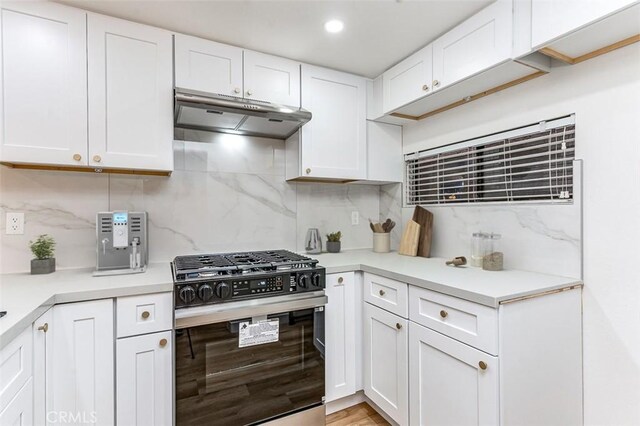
{"x": 42, "y": 330}
{"x": 450, "y": 382}
{"x": 386, "y": 367}
{"x": 19, "y": 412}
{"x": 340, "y": 336}
{"x": 82, "y": 387}
{"x": 144, "y": 380}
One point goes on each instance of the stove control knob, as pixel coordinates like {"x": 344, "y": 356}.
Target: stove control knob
{"x": 205, "y": 292}
{"x": 303, "y": 281}
{"x": 316, "y": 280}
{"x": 223, "y": 290}
{"x": 187, "y": 294}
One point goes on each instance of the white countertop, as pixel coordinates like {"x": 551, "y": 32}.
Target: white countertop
{"x": 473, "y": 284}
{"x": 25, "y": 297}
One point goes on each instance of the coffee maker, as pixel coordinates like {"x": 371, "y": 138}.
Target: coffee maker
{"x": 122, "y": 245}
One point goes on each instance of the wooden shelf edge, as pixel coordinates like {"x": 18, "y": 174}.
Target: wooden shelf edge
{"x": 303, "y": 179}
{"x": 86, "y": 169}
{"x": 598, "y": 52}
{"x": 473, "y": 97}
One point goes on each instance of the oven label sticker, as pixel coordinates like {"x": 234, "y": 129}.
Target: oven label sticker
{"x": 259, "y": 333}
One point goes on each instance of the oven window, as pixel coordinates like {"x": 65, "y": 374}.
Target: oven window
{"x": 220, "y": 383}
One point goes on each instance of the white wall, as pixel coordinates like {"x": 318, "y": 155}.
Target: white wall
{"x": 605, "y": 95}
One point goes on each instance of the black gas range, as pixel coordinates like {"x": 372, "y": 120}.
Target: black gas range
{"x": 225, "y": 277}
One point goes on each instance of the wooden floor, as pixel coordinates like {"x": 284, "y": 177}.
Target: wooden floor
{"x": 361, "y": 414}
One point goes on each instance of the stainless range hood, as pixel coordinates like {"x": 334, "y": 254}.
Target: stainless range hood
{"x": 238, "y": 116}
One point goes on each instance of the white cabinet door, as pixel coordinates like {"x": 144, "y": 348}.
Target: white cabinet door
{"x": 551, "y": 19}
{"x": 447, "y": 382}
{"x": 386, "y": 363}
{"x": 130, "y": 95}
{"x": 340, "y": 336}
{"x": 43, "y": 84}
{"x": 83, "y": 368}
{"x": 480, "y": 42}
{"x": 144, "y": 380}
{"x": 407, "y": 81}
{"x": 19, "y": 412}
{"x": 385, "y": 162}
{"x": 208, "y": 66}
{"x": 272, "y": 79}
{"x": 42, "y": 331}
{"x": 334, "y": 142}
{"x": 15, "y": 366}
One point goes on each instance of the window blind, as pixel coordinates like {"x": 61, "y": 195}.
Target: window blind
{"x": 532, "y": 163}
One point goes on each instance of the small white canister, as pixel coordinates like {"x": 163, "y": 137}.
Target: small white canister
{"x": 381, "y": 242}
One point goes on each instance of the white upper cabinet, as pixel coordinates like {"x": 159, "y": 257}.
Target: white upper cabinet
{"x": 407, "y": 81}
{"x": 385, "y": 162}
{"x": 333, "y": 144}
{"x": 211, "y": 67}
{"x": 43, "y": 84}
{"x": 450, "y": 382}
{"x": 208, "y": 66}
{"x": 271, "y": 78}
{"x": 130, "y": 95}
{"x": 480, "y": 42}
{"x": 551, "y": 19}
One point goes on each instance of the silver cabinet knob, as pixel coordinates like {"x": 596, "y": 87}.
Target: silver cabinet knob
{"x": 398, "y": 325}
{"x": 308, "y": 171}
{"x": 249, "y": 93}
{"x": 443, "y": 313}
{"x": 436, "y": 83}
{"x": 97, "y": 158}
{"x": 482, "y": 365}
{"x": 425, "y": 87}
{"x": 236, "y": 90}
{"x": 381, "y": 292}
{"x": 44, "y": 327}
{"x": 77, "y": 157}
{"x": 340, "y": 280}
{"x": 145, "y": 315}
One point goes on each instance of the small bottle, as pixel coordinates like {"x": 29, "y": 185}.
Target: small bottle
{"x": 493, "y": 259}
{"x": 478, "y": 248}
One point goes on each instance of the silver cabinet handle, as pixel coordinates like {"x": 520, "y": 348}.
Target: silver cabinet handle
{"x": 44, "y": 327}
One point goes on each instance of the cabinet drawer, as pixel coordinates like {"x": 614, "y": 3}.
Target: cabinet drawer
{"x": 15, "y": 366}
{"x": 144, "y": 314}
{"x": 386, "y": 293}
{"x": 468, "y": 322}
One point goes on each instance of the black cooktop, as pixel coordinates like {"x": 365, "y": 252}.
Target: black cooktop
{"x": 194, "y": 267}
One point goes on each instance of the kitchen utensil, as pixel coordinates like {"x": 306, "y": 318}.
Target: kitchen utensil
{"x": 376, "y": 226}
{"x": 381, "y": 242}
{"x": 371, "y": 226}
{"x": 410, "y": 238}
{"x": 424, "y": 218}
{"x": 313, "y": 241}
{"x": 391, "y": 226}
{"x": 385, "y": 225}
{"x": 457, "y": 261}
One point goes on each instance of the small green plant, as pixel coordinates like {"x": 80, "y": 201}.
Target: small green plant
{"x": 334, "y": 237}
{"x": 43, "y": 247}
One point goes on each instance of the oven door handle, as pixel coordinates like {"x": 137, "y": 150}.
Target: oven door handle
{"x": 211, "y": 314}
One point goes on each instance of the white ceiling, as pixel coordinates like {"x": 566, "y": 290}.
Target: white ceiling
{"x": 377, "y": 34}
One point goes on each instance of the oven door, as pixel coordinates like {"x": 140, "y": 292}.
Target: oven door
{"x": 250, "y": 362}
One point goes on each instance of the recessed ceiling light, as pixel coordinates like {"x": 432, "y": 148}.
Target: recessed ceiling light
{"x": 334, "y": 26}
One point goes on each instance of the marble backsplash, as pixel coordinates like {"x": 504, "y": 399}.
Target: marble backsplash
{"x": 535, "y": 237}
{"x": 225, "y": 195}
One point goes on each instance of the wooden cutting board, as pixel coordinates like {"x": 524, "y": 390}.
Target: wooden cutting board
{"x": 410, "y": 237}
{"x": 424, "y": 218}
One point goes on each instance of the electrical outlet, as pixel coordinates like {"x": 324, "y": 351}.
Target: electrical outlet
{"x": 355, "y": 218}
{"x": 15, "y": 223}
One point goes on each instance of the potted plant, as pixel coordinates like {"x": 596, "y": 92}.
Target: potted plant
{"x": 43, "y": 249}
{"x": 333, "y": 242}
